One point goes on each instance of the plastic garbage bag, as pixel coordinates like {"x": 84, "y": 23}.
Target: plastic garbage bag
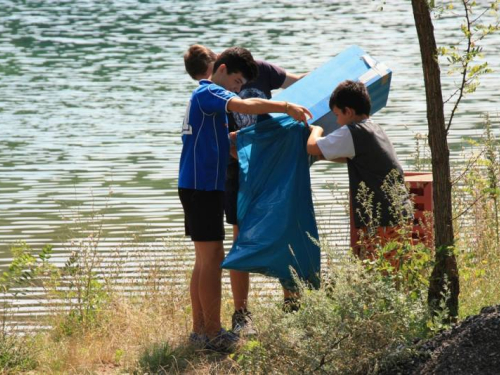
{"x": 277, "y": 226}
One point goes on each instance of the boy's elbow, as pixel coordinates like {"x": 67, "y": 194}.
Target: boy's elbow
{"x": 313, "y": 149}
{"x": 310, "y": 150}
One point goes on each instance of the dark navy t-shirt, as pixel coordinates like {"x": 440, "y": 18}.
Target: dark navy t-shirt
{"x": 270, "y": 77}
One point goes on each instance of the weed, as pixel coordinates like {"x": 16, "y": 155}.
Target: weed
{"x": 17, "y": 354}
{"x": 347, "y": 326}
{"x": 363, "y": 317}
{"x": 477, "y": 191}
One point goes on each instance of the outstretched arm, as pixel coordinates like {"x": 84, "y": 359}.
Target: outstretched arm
{"x": 257, "y": 106}
{"x": 291, "y": 79}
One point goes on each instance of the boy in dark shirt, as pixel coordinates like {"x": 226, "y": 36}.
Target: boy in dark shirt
{"x": 199, "y": 61}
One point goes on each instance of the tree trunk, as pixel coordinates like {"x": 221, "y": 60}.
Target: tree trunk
{"x": 445, "y": 273}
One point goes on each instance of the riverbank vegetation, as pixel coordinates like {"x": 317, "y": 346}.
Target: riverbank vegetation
{"x": 105, "y": 317}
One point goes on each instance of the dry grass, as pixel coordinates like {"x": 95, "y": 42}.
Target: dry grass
{"x": 138, "y": 322}
{"x": 140, "y": 331}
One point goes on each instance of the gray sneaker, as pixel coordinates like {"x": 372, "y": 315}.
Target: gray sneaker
{"x": 243, "y": 323}
{"x": 198, "y": 340}
{"x": 224, "y": 342}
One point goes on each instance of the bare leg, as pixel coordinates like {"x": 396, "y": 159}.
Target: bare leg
{"x": 210, "y": 255}
{"x": 240, "y": 282}
{"x": 289, "y": 294}
{"x": 198, "y": 321}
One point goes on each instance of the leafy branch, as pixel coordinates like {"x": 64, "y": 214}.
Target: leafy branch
{"x": 473, "y": 32}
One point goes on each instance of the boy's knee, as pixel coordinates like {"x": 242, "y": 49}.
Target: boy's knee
{"x": 210, "y": 253}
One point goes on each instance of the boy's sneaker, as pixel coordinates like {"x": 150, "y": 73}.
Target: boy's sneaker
{"x": 224, "y": 342}
{"x": 291, "y": 305}
{"x": 198, "y": 340}
{"x": 243, "y": 323}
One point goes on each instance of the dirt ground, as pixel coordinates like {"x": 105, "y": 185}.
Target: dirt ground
{"x": 471, "y": 347}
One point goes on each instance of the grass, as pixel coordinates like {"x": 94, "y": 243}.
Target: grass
{"x": 354, "y": 324}
{"x": 363, "y": 318}
{"x": 16, "y": 354}
{"x": 355, "y": 314}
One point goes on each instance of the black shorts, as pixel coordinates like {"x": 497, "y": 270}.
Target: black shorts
{"x": 231, "y": 194}
{"x": 203, "y": 214}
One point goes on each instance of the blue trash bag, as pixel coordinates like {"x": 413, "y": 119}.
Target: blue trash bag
{"x": 277, "y": 226}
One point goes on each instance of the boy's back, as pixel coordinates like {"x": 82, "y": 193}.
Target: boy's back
{"x": 374, "y": 160}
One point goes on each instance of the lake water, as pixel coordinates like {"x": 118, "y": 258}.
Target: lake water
{"x": 93, "y": 93}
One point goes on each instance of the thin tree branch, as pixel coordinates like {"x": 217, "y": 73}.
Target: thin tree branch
{"x": 496, "y": 27}
{"x": 323, "y": 358}
{"x": 451, "y": 96}
{"x": 470, "y": 206}
{"x": 482, "y": 14}
{"x": 465, "y": 65}
{"x": 470, "y": 163}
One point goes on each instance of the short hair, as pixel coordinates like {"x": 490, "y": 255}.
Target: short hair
{"x": 238, "y": 60}
{"x": 353, "y": 95}
{"x": 197, "y": 59}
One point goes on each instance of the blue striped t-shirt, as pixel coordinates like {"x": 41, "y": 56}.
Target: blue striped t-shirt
{"x": 205, "y": 142}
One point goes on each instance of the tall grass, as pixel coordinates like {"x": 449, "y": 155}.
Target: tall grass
{"x": 350, "y": 325}
{"x": 139, "y": 324}
{"x": 477, "y": 194}
{"x": 129, "y": 312}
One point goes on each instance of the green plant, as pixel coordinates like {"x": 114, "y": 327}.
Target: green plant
{"x": 405, "y": 264}
{"x": 82, "y": 289}
{"x": 476, "y": 193}
{"x": 493, "y": 176}
{"x": 421, "y": 157}
{"x": 347, "y": 326}
{"x": 25, "y": 268}
{"x": 16, "y": 354}
{"x": 163, "y": 358}
{"x": 393, "y": 252}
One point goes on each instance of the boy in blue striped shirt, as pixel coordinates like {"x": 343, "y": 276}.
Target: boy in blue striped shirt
{"x": 202, "y": 174}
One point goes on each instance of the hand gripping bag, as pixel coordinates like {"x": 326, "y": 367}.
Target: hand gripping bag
{"x": 276, "y": 219}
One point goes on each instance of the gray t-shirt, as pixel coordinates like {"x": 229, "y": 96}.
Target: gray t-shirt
{"x": 375, "y": 158}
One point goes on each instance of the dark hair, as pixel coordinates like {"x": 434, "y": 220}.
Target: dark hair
{"x": 353, "y": 95}
{"x": 238, "y": 60}
{"x": 197, "y": 59}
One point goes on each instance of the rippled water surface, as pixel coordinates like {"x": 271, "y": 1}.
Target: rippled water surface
{"x": 92, "y": 95}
